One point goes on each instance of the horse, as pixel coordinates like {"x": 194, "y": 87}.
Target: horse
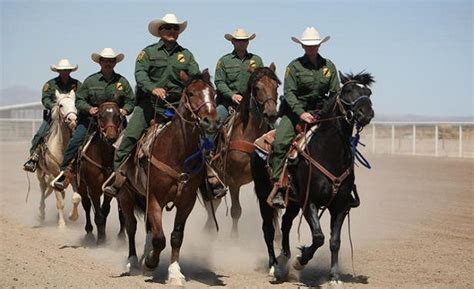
{"x": 256, "y": 115}
{"x": 169, "y": 175}
{"x": 96, "y": 164}
{"x": 323, "y": 177}
{"x": 63, "y": 123}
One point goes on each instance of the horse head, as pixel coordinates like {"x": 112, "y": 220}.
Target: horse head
{"x": 109, "y": 121}
{"x": 354, "y": 98}
{"x": 199, "y": 99}
{"x": 262, "y": 92}
{"x": 65, "y": 109}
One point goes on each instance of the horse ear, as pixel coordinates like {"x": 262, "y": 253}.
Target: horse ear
{"x": 205, "y": 75}
{"x": 183, "y": 76}
{"x": 272, "y": 67}
{"x": 342, "y": 77}
{"x": 72, "y": 93}
{"x": 56, "y": 92}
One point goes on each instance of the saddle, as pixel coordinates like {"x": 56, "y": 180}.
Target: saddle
{"x": 144, "y": 145}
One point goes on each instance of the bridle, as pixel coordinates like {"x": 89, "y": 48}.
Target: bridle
{"x": 260, "y": 104}
{"x": 346, "y": 107}
{"x": 112, "y": 124}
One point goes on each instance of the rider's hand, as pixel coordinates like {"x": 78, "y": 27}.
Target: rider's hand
{"x": 307, "y": 117}
{"x": 160, "y": 92}
{"x": 93, "y": 110}
{"x": 123, "y": 112}
{"x": 237, "y": 98}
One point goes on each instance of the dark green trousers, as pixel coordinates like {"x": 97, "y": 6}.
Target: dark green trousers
{"x": 40, "y": 135}
{"x": 76, "y": 141}
{"x": 285, "y": 132}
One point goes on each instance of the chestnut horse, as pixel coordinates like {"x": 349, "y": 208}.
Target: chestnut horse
{"x": 257, "y": 113}
{"x": 96, "y": 164}
{"x": 323, "y": 177}
{"x": 169, "y": 175}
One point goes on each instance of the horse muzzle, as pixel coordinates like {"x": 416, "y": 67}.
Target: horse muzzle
{"x": 71, "y": 121}
{"x": 209, "y": 125}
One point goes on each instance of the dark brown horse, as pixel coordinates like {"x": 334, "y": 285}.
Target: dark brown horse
{"x": 96, "y": 164}
{"x": 256, "y": 116}
{"x": 171, "y": 175}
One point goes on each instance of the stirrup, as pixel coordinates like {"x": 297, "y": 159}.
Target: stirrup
{"x": 111, "y": 191}
{"x": 276, "y": 198}
{"x": 30, "y": 165}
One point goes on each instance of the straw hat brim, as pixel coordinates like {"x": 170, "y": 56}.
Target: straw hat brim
{"x": 58, "y": 68}
{"x": 230, "y": 37}
{"x": 154, "y": 26}
{"x": 312, "y": 42}
{"x": 96, "y": 57}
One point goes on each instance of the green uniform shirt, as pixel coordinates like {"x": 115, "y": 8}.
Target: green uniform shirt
{"x": 307, "y": 85}
{"x": 232, "y": 74}
{"x": 96, "y": 90}
{"x": 158, "y": 67}
{"x": 49, "y": 90}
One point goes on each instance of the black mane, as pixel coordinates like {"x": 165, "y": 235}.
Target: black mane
{"x": 200, "y": 76}
{"x": 364, "y": 78}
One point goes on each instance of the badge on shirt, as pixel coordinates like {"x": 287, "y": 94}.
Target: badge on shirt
{"x": 253, "y": 63}
{"x": 326, "y": 72}
{"x": 141, "y": 56}
{"x": 180, "y": 57}
{"x": 119, "y": 86}
{"x": 46, "y": 87}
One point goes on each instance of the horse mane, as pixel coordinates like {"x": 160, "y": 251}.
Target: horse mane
{"x": 362, "y": 77}
{"x": 256, "y": 75}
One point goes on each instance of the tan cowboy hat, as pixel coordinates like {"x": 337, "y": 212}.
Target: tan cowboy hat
{"x": 154, "y": 25}
{"x": 239, "y": 34}
{"x": 107, "y": 53}
{"x": 63, "y": 64}
{"x": 310, "y": 37}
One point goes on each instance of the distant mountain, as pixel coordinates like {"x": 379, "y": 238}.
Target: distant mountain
{"x": 18, "y": 95}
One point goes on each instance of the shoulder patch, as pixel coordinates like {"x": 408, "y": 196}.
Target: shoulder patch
{"x": 46, "y": 87}
{"x": 141, "y": 56}
{"x": 180, "y": 57}
{"x": 326, "y": 72}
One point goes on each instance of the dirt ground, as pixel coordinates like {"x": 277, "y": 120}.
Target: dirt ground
{"x": 414, "y": 229}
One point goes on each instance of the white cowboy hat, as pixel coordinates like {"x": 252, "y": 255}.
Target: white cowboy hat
{"x": 107, "y": 53}
{"x": 63, "y": 64}
{"x": 170, "y": 18}
{"x": 310, "y": 37}
{"x": 239, "y": 34}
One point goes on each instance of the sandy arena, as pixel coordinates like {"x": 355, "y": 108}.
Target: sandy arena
{"x": 414, "y": 229}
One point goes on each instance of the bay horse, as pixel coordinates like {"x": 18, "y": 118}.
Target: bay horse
{"x": 322, "y": 178}
{"x": 96, "y": 164}
{"x": 256, "y": 115}
{"x": 170, "y": 174}
{"x": 63, "y": 123}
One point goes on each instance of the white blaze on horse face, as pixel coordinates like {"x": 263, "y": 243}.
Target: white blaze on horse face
{"x": 207, "y": 99}
{"x": 360, "y": 85}
{"x": 109, "y": 110}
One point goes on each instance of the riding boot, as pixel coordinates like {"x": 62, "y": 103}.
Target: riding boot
{"x": 32, "y": 162}
{"x": 276, "y": 198}
{"x": 64, "y": 179}
{"x": 217, "y": 188}
{"x": 113, "y": 189}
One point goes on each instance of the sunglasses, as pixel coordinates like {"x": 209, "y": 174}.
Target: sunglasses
{"x": 169, "y": 27}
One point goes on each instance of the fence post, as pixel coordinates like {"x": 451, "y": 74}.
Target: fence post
{"x": 436, "y": 140}
{"x": 373, "y": 138}
{"x": 460, "y": 140}
{"x": 393, "y": 139}
{"x": 414, "y": 140}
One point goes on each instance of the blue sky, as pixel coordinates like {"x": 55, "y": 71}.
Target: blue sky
{"x": 420, "y": 52}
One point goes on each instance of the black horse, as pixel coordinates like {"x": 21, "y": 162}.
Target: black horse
{"x": 323, "y": 177}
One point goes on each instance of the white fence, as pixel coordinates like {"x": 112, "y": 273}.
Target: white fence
{"x": 451, "y": 139}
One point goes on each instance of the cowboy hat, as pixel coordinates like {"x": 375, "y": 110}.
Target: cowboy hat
{"x": 239, "y": 34}
{"x": 310, "y": 37}
{"x": 63, "y": 64}
{"x": 154, "y": 25}
{"x": 107, "y": 53}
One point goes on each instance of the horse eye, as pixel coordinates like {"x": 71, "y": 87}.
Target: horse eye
{"x": 61, "y": 105}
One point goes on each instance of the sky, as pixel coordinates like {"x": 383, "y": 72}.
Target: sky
{"x": 420, "y": 52}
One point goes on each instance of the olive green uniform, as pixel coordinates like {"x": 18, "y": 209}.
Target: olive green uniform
{"x": 306, "y": 87}
{"x": 155, "y": 67}
{"x": 232, "y": 76}
{"x": 92, "y": 93}
{"x": 49, "y": 100}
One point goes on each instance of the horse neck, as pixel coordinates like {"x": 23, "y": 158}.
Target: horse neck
{"x": 58, "y": 138}
{"x": 255, "y": 126}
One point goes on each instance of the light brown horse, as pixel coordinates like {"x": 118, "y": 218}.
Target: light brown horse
{"x": 96, "y": 164}
{"x": 258, "y": 112}
{"x": 171, "y": 175}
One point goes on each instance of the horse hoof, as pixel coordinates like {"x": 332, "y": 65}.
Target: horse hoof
{"x": 281, "y": 269}
{"x": 335, "y": 284}
{"x": 175, "y": 277}
{"x": 176, "y": 282}
{"x": 89, "y": 239}
{"x": 133, "y": 267}
{"x": 297, "y": 265}
{"x": 61, "y": 225}
{"x": 40, "y": 217}
{"x": 73, "y": 216}
{"x": 271, "y": 272}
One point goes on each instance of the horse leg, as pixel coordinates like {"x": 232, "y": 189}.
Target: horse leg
{"x": 286, "y": 224}
{"x": 311, "y": 216}
{"x": 86, "y": 204}
{"x": 60, "y": 207}
{"x": 235, "y": 210}
{"x": 175, "y": 277}
{"x": 44, "y": 187}
{"x": 337, "y": 219}
{"x": 76, "y": 199}
{"x": 267, "y": 213}
{"x": 158, "y": 237}
{"x": 126, "y": 205}
{"x": 101, "y": 227}
{"x": 121, "y": 234}
{"x": 98, "y": 216}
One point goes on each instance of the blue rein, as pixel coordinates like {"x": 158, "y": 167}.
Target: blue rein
{"x": 205, "y": 146}
{"x": 355, "y": 140}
